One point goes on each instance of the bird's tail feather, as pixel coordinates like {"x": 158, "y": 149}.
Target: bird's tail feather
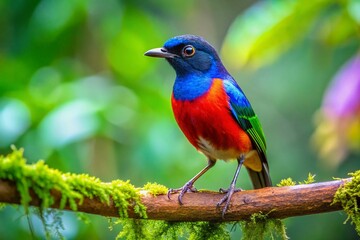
{"x": 260, "y": 179}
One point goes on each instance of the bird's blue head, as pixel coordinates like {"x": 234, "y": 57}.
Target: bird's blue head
{"x": 189, "y": 54}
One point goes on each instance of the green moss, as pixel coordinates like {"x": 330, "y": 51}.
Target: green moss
{"x": 310, "y": 179}
{"x": 290, "y": 182}
{"x": 73, "y": 187}
{"x": 348, "y": 195}
{"x": 155, "y": 229}
{"x": 125, "y": 194}
{"x": 261, "y": 227}
{"x": 208, "y": 230}
{"x": 155, "y": 189}
{"x": 286, "y": 182}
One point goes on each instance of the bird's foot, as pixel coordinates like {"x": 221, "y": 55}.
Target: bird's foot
{"x": 188, "y": 187}
{"x": 227, "y": 198}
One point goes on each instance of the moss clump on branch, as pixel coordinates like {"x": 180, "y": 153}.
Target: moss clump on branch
{"x": 156, "y": 229}
{"x": 43, "y": 180}
{"x": 290, "y": 182}
{"x": 155, "y": 189}
{"x": 286, "y": 182}
{"x": 261, "y": 227}
{"x": 348, "y": 195}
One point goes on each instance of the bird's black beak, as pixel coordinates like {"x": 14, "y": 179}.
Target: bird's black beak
{"x": 160, "y": 53}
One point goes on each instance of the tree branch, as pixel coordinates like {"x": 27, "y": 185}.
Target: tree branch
{"x": 278, "y": 202}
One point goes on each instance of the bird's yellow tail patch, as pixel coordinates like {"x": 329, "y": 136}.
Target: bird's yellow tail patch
{"x": 252, "y": 161}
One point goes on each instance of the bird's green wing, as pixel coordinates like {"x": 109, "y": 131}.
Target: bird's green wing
{"x": 250, "y": 123}
{"x": 244, "y": 114}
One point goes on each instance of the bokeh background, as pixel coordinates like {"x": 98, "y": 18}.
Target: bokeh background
{"x": 76, "y": 91}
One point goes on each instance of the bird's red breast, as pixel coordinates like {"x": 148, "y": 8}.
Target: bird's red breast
{"x": 208, "y": 124}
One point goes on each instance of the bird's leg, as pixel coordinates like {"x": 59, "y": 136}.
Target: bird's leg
{"x": 229, "y": 192}
{"x": 189, "y": 186}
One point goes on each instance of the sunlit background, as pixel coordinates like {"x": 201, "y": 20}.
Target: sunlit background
{"x": 76, "y": 91}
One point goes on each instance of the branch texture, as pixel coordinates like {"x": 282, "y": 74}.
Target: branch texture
{"x": 278, "y": 202}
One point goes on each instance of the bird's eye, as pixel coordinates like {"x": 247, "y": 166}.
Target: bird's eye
{"x": 188, "y": 51}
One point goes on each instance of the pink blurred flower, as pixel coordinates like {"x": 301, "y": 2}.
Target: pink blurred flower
{"x": 338, "y": 121}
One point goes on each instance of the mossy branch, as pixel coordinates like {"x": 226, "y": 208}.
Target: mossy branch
{"x": 38, "y": 185}
{"x": 279, "y": 202}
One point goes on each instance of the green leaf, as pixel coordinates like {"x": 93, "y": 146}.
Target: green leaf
{"x": 268, "y": 29}
{"x": 339, "y": 28}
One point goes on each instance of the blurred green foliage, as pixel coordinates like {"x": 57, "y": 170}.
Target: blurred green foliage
{"x": 76, "y": 91}
{"x": 270, "y": 28}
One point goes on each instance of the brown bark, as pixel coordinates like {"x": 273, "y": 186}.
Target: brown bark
{"x": 279, "y": 202}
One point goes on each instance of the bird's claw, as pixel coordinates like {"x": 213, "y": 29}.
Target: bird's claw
{"x": 188, "y": 187}
{"x": 227, "y": 198}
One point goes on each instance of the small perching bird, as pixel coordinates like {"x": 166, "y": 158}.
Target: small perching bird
{"x": 213, "y": 113}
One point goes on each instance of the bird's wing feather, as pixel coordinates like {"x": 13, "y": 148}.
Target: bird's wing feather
{"x": 244, "y": 114}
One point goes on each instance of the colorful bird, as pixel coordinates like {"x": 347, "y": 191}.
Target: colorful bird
{"x": 213, "y": 113}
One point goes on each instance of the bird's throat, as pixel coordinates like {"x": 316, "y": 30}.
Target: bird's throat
{"x": 191, "y": 87}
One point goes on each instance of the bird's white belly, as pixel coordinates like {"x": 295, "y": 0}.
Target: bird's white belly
{"x": 207, "y": 148}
